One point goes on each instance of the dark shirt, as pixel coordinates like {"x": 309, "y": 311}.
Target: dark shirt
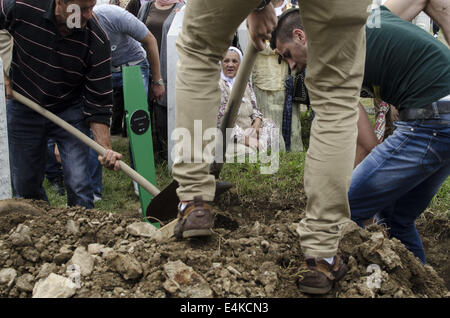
{"x": 405, "y": 65}
{"x": 58, "y": 71}
{"x": 155, "y": 21}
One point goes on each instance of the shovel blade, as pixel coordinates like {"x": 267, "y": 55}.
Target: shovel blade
{"x": 164, "y": 207}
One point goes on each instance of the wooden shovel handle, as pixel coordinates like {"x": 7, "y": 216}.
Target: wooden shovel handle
{"x": 87, "y": 140}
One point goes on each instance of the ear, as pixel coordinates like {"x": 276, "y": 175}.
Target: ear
{"x": 299, "y": 35}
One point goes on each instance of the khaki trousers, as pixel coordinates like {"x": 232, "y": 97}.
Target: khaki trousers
{"x": 336, "y": 53}
{"x": 6, "y": 48}
{"x": 207, "y": 32}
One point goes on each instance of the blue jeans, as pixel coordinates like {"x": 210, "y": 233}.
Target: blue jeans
{"x": 28, "y": 133}
{"x": 117, "y": 80}
{"x": 53, "y": 169}
{"x": 95, "y": 171}
{"x": 398, "y": 179}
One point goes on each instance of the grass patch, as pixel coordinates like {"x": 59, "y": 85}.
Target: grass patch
{"x": 282, "y": 189}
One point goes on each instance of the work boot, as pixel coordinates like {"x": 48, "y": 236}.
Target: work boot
{"x": 318, "y": 275}
{"x": 194, "y": 220}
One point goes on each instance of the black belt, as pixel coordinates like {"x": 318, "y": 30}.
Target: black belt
{"x": 430, "y": 111}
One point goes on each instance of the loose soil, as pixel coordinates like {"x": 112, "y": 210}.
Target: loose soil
{"x": 254, "y": 252}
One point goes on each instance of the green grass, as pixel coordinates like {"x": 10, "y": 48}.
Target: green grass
{"x": 285, "y": 187}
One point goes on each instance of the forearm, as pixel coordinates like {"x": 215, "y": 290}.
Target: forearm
{"x": 101, "y": 134}
{"x": 151, "y": 47}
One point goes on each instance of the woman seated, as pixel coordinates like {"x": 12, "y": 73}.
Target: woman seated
{"x": 252, "y": 131}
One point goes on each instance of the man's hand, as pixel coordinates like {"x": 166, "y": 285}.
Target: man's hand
{"x": 260, "y": 25}
{"x": 8, "y": 88}
{"x": 101, "y": 135}
{"x": 158, "y": 91}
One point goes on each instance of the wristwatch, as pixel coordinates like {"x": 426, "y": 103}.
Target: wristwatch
{"x": 159, "y": 82}
{"x": 262, "y": 5}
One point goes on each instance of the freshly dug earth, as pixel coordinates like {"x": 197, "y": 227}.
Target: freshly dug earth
{"x": 73, "y": 252}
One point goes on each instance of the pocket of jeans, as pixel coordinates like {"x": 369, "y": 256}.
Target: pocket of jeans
{"x": 400, "y": 138}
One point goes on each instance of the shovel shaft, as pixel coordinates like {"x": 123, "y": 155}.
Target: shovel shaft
{"x": 88, "y": 141}
{"x": 234, "y": 102}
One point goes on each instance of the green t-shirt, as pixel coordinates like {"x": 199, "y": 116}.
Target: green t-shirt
{"x": 405, "y": 65}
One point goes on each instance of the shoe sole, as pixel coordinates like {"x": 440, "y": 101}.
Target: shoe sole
{"x": 314, "y": 290}
{"x": 197, "y": 233}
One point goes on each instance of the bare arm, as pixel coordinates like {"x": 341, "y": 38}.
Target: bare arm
{"x": 151, "y": 47}
{"x": 260, "y": 25}
{"x": 438, "y": 10}
{"x": 367, "y": 140}
{"x": 101, "y": 135}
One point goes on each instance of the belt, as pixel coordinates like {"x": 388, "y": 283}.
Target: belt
{"x": 116, "y": 69}
{"x": 430, "y": 111}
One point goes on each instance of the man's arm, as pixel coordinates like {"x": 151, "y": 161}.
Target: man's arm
{"x": 101, "y": 135}
{"x": 438, "y": 10}
{"x": 260, "y": 25}
{"x": 6, "y": 17}
{"x": 151, "y": 47}
{"x": 367, "y": 140}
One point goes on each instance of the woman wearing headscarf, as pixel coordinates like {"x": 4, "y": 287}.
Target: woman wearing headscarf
{"x": 252, "y": 131}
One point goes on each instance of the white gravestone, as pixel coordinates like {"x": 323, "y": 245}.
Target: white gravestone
{"x": 172, "y": 58}
{"x": 5, "y": 177}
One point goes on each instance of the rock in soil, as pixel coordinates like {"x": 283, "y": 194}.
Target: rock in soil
{"x": 72, "y": 252}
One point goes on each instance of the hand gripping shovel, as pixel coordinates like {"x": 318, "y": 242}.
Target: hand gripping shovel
{"x": 159, "y": 206}
{"x": 88, "y": 141}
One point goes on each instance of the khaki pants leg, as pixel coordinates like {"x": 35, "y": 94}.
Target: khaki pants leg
{"x": 336, "y": 53}
{"x": 6, "y": 48}
{"x": 207, "y": 32}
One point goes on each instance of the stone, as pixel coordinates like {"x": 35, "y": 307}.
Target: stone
{"x": 84, "y": 260}
{"x": 7, "y": 276}
{"x": 21, "y": 236}
{"x": 72, "y": 227}
{"x": 30, "y": 254}
{"x": 126, "y": 265}
{"x": 190, "y": 284}
{"x": 95, "y": 248}
{"x": 141, "y": 229}
{"x": 25, "y": 283}
{"x": 54, "y": 286}
{"x": 63, "y": 256}
{"x": 47, "y": 269}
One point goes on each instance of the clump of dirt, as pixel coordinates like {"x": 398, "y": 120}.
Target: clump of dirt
{"x": 74, "y": 252}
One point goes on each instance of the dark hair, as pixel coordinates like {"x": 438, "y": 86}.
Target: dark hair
{"x": 288, "y": 21}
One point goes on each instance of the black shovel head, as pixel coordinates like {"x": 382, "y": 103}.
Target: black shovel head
{"x": 164, "y": 207}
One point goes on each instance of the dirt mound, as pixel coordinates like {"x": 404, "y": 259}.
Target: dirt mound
{"x": 74, "y": 252}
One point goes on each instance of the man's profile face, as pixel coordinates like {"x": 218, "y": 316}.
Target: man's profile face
{"x": 294, "y": 51}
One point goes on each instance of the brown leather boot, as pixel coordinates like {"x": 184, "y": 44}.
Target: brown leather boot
{"x": 317, "y": 275}
{"x": 194, "y": 220}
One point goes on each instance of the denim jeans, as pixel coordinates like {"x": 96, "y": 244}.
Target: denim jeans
{"x": 398, "y": 179}
{"x": 28, "y": 133}
{"x": 95, "y": 171}
{"x": 53, "y": 169}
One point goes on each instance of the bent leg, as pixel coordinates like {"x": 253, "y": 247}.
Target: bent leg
{"x": 207, "y": 32}
{"x": 334, "y": 78}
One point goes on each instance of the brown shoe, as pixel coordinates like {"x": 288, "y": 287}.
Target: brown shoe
{"x": 318, "y": 276}
{"x": 194, "y": 220}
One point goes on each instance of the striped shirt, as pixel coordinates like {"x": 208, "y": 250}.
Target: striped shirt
{"x": 58, "y": 71}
